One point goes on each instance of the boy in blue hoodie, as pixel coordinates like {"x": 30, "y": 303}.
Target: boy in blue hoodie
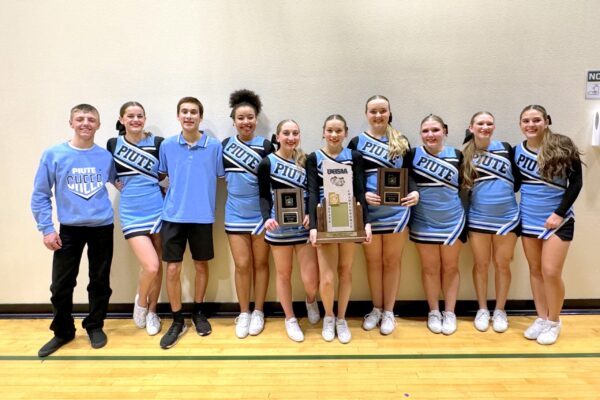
{"x": 78, "y": 170}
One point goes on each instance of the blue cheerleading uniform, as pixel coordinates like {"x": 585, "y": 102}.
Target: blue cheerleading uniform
{"x": 275, "y": 172}
{"x": 314, "y": 175}
{"x": 540, "y": 197}
{"x": 383, "y": 219}
{"x": 241, "y": 160}
{"x": 493, "y": 206}
{"x": 141, "y": 202}
{"x": 439, "y": 217}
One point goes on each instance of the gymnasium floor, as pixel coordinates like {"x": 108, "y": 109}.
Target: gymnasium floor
{"x": 412, "y": 363}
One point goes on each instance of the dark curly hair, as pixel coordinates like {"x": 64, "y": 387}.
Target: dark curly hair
{"x": 244, "y": 97}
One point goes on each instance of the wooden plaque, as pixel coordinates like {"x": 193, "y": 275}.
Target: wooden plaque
{"x": 289, "y": 207}
{"x": 392, "y": 185}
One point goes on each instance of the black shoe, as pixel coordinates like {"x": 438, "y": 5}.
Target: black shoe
{"x": 201, "y": 323}
{"x": 177, "y": 329}
{"x": 98, "y": 338}
{"x": 54, "y": 344}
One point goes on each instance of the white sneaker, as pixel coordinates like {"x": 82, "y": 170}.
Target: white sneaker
{"x": 500, "y": 321}
{"x": 293, "y": 330}
{"x": 257, "y": 322}
{"x": 312, "y": 311}
{"x": 550, "y": 333}
{"x": 535, "y": 329}
{"x": 139, "y": 313}
{"x": 482, "y": 320}
{"x": 328, "y": 331}
{"x": 152, "y": 323}
{"x": 434, "y": 321}
{"x": 388, "y": 323}
{"x": 448, "y": 322}
{"x": 242, "y": 323}
{"x": 342, "y": 330}
{"x": 372, "y": 319}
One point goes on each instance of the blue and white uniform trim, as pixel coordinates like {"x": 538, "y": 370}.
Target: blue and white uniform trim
{"x": 141, "y": 203}
{"x": 539, "y": 197}
{"x": 493, "y": 206}
{"x": 383, "y": 219}
{"x": 439, "y": 217}
{"x": 241, "y": 160}
{"x": 282, "y": 174}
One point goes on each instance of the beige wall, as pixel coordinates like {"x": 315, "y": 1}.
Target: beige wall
{"x": 307, "y": 59}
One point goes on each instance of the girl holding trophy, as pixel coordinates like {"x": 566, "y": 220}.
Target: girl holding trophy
{"x": 336, "y": 255}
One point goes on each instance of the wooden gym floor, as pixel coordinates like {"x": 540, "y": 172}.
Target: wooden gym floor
{"x": 412, "y": 363}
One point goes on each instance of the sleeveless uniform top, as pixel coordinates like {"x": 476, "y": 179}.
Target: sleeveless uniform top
{"x": 493, "y": 206}
{"x": 275, "y": 172}
{"x": 383, "y": 219}
{"x": 314, "y": 172}
{"x": 240, "y": 160}
{"x": 141, "y": 201}
{"x": 439, "y": 217}
{"x": 539, "y": 197}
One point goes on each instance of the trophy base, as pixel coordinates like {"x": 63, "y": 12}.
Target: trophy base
{"x": 341, "y": 237}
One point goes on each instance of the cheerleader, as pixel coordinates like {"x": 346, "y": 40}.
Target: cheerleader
{"x": 438, "y": 221}
{"x": 135, "y": 152}
{"x": 335, "y": 256}
{"x": 493, "y": 215}
{"x": 280, "y": 170}
{"x": 550, "y": 165}
{"x": 382, "y": 146}
{"x": 242, "y": 154}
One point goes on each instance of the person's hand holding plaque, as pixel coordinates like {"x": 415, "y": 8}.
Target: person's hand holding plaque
{"x": 271, "y": 224}
{"x": 373, "y": 199}
{"x": 306, "y": 221}
{"x": 411, "y": 199}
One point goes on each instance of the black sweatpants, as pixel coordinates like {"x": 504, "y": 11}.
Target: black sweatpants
{"x": 65, "y": 268}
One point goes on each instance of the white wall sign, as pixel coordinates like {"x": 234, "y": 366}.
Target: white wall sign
{"x": 592, "y": 90}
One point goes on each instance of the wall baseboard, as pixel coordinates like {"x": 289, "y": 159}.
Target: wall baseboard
{"x": 403, "y": 308}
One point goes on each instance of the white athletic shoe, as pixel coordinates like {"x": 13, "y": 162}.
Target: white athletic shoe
{"x": 257, "y": 322}
{"x": 448, "y": 322}
{"x": 312, "y": 311}
{"x": 550, "y": 333}
{"x": 372, "y": 319}
{"x": 139, "y": 313}
{"x": 293, "y": 330}
{"x": 388, "y": 323}
{"x": 152, "y": 323}
{"x": 434, "y": 321}
{"x": 482, "y": 320}
{"x": 328, "y": 331}
{"x": 342, "y": 330}
{"x": 242, "y": 325}
{"x": 500, "y": 321}
{"x": 535, "y": 329}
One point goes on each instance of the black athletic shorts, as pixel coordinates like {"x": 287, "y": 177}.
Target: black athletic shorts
{"x": 175, "y": 235}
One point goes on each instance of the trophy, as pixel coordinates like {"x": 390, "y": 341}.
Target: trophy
{"x": 289, "y": 207}
{"x": 392, "y": 185}
{"x": 339, "y": 216}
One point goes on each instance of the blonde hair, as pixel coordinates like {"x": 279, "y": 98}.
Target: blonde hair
{"x": 397, "y": 142}
{"x": 298, "y": 155}
{"x": 557, "y": 152}
{"x": 468, "y": 168}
